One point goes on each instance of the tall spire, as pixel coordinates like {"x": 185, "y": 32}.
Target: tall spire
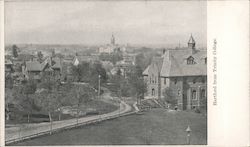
{"x": 112, "y": 39}
{"x": 191, "y": 42}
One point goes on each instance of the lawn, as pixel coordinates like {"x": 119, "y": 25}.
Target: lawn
{"x": 157, "y": 126}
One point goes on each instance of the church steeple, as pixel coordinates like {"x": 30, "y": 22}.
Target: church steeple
{"x": 191, "y": 42}
{"x": 112, "y": 40}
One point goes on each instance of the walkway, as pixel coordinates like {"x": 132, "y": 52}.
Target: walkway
{"x": 35, "y": 128}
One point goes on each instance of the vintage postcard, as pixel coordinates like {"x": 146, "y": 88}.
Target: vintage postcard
{"x": 110, "y": 73}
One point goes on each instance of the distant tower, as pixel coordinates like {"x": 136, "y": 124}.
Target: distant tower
{"x": 113, "y": 40}
{"x": 191, "y": 42}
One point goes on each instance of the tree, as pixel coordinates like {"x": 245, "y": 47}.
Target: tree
{"x": 169, "y": 97}
{"x": 40, "y": 56}
{"x": 96, "y": 70}
{"x": 29, "y": 89}
{"x": 15, "y": 51}
{"x": 49, "y": 103}
{"x": 8, "y": 100}
{"x": 49, "y": 98}
{"x": 82, "y": 96}
{"x": 115, "y": 57}
{"x": 9, "y": 81}
{"x": 23, "y": 97}
{"x": 81, "y": 72}
{"x": 53, "y": 53}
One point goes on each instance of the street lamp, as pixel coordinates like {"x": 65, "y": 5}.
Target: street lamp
{"x": 188, "y": 130}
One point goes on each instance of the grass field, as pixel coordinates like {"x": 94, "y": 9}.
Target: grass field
{"x": 156, "y": 127}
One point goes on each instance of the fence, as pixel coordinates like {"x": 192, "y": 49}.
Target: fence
{"x": 12, "y": 141}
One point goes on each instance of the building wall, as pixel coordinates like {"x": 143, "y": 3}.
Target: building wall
{"x": 153, "y": 82}
{"x": 199, "y": 85}
{"x": 165, "y": 82}
{"x": 182, "y": 88}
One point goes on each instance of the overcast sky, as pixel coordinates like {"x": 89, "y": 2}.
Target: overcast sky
{"x": 93, "y": 22}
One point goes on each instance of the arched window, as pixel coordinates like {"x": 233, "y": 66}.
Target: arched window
{"x": 190, "y": 60}
{"x": 153, "y": 92}
{"x": 194, "y": 94}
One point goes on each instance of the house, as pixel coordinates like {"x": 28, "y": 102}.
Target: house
{"x": 183, "y": 72}
{"x": 111, "y": 48}
{"x": 8, "y": 67}
{"x": 35, "y": 69}
{"x": 84, "y": 58}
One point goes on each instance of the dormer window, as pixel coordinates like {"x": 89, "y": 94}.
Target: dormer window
{"x": 190, "y": 60}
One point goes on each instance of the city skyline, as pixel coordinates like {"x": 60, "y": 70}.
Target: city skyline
{"x": 152, "y": 23}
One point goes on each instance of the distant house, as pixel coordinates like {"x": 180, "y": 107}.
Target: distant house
{"x": 112, "y": 47}
{"x": 35, "y": 69}
{"x": 84, "y": 58}
{"x": 183, "y": 71}
{"x": 129, "y": 58}
{"x": 8, "y": 66}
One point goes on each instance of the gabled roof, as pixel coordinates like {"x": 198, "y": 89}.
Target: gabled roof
{"x": 174, "y": 63}
{"x": 177, "y": 64}
{"x": 34, "y": 66}
{"x": 158, "y": 61}
{"x": 145, "y": 72}
{"x": 8, "y": 62}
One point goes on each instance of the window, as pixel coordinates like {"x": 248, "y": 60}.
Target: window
{"x": 153, "y": 78}
{"x": 190, "y": 60}
{"x": 179, "y": 92}
{"x": 194, "y": 94}
{"x": 175, "y": 81}
{"x": 205, "y": 60}
{"x": 194, "y": 81}
{"x": 203, "y": 80}
{"x": 203, "y": 93}
{"x": 153, "y": 92}
{"x": 165, "y": 81}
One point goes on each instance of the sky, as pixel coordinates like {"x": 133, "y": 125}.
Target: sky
{"x": 93, "y": 22}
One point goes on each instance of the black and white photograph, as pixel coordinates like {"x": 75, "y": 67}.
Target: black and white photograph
{"x": 105, "y": 72}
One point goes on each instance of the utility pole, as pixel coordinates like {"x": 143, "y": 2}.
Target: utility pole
{"x": 99, "y": 86}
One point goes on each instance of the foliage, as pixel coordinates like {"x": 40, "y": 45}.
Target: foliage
{"x": 89, "y": 73}
{"x": 81, "y": 72}
{"x": 133, "y": 85}
{"x": 114, "y": 57}
{"x": 40, "y": 56}
{"x": 15, "y": 51}
{"x": 23, "y": 96}
{"x": 143, "y": 59}
{"x": 9, "y": 81}
{"x": 170, "y": 96}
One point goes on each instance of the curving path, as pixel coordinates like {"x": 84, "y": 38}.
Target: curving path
{"x": 34, "y": 128}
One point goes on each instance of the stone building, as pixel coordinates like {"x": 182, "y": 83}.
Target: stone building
{"x": 183, "y": 72}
